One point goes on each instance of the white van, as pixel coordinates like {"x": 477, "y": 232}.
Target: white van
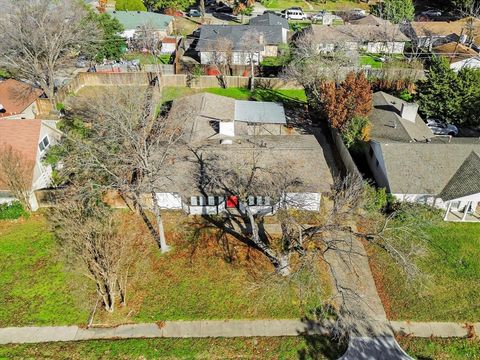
{"x": 292, "y": 14}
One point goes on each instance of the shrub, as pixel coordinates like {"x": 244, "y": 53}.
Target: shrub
{"x": 11, "y": 211}
{"x": 376, "y": 200}
{"x": 357, "y": 129}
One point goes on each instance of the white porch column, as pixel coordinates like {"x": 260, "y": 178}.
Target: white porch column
{"x": 448, "y": 211}
{"x": 465, "y": 212}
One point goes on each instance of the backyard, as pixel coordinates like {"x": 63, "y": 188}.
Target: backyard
{"x": 449, "y": 289}
{"x": 303, "y": 348}
{"x": 197, "y": 280}
{"x": 278, "y": 95}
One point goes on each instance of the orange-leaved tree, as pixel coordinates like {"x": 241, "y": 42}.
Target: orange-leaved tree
{"x": 342, "y": 102}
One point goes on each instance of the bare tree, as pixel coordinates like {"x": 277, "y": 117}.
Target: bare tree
{"x": 312, "y": 64}
{"x": 16, "y": 174}
{"x": 300, "y": 247}
{"x": 221, "y": 53}
{"x": 125, "y": 146}
{"x": 89, "y": 232}
{"x": 252, "y": 45}
{"x": 41, "y": 37}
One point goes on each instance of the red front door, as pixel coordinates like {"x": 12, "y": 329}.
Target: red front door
{"x": 232, "y": 202}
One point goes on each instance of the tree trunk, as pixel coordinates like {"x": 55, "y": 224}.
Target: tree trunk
{"x": 283, "y": 267}
{"x": 161, "y": 233}
{"x": 281, "y": 262}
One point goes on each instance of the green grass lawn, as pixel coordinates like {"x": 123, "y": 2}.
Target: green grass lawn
{"x": 450, "y": 289}
{"x": 35, "y": 286}
{"x": 234, "y": 348}
{"x": 441, "y": 349}
{"x": 188, "y": 283}
{"x": 147, "y": 59}
{"x": 370, "y": 60}
{"x": 279, "y": 95}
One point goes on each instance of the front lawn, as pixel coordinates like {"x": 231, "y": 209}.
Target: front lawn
{"x": 197, "y": 280}
{"x": 36, "y": 289}
{"x": 234, "y": 348}
{"x": 450, "y": 288}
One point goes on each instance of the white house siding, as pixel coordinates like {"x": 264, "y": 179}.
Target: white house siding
{"x": 385, "y": 47}
{"x": 169, "y": 201}
{"x": 473, "y": 63}
{"x": 379, "y": 171}
{"x": 303, "y": 201}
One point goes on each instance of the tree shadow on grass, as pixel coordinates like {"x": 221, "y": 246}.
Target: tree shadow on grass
{"x": 321, "y": 347}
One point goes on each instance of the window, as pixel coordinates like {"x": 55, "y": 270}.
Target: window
{"x": 193, "y": 201}
{"x": 251, "y": 200}
{"x": 43, "y": 144}
{"x": 211, "y": 200}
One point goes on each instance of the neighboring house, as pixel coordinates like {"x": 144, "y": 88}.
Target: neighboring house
{"x": 161, "y": 25}
{"x": 375, "y": 39}
{"x": 416, "y": 166}
{"x": 270, "y": 19}
{"x": 459, "y": 55}
{"x": 17, "y": 100}
{"x": 225, "y": 129}
{"x": 434, "y": 33}
{"x": 239, "y": 44}
{"x": 30, "y": 139}
{"x": 169, "y": 45}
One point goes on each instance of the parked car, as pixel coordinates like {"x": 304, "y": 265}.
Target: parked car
{"x": 358, "y": 13}
{"x": 294, "y": 14}
{"x": 440, "y": 128}
{"x": 81, "y": 62}
{"x": 432, "y": 13}
{"x": 194, "y": 13}
{"x": 318, "y": 17}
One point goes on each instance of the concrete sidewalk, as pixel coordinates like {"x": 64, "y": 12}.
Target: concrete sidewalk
{"x": 214, "y": 328}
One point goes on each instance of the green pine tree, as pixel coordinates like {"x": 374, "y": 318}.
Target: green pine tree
{"x": 440, "y": 94}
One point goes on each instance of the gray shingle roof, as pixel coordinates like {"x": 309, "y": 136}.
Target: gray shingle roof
{"x": 235, "y": 34}
{"x": 425, "y": 168}
{"x": 302, "y": 154}
{"x": 388, "y": 125}
{"x": 270, "y": 19}
{"x": 466, "y": 181}
{"x": 357, "y": 33}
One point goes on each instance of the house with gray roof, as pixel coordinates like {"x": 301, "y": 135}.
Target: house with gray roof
{"x": 379, "y": 38}
{"x": 160, "y": 25}
{"x": 416, "y": 166}
{"x": 239, "y": 44}
{"x": 230, "y": 131}
{"x": 270, "y": 19}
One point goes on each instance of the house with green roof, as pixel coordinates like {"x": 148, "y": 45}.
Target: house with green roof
{"x": 161, "y": 25}
{"x": 414, "y": 165}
